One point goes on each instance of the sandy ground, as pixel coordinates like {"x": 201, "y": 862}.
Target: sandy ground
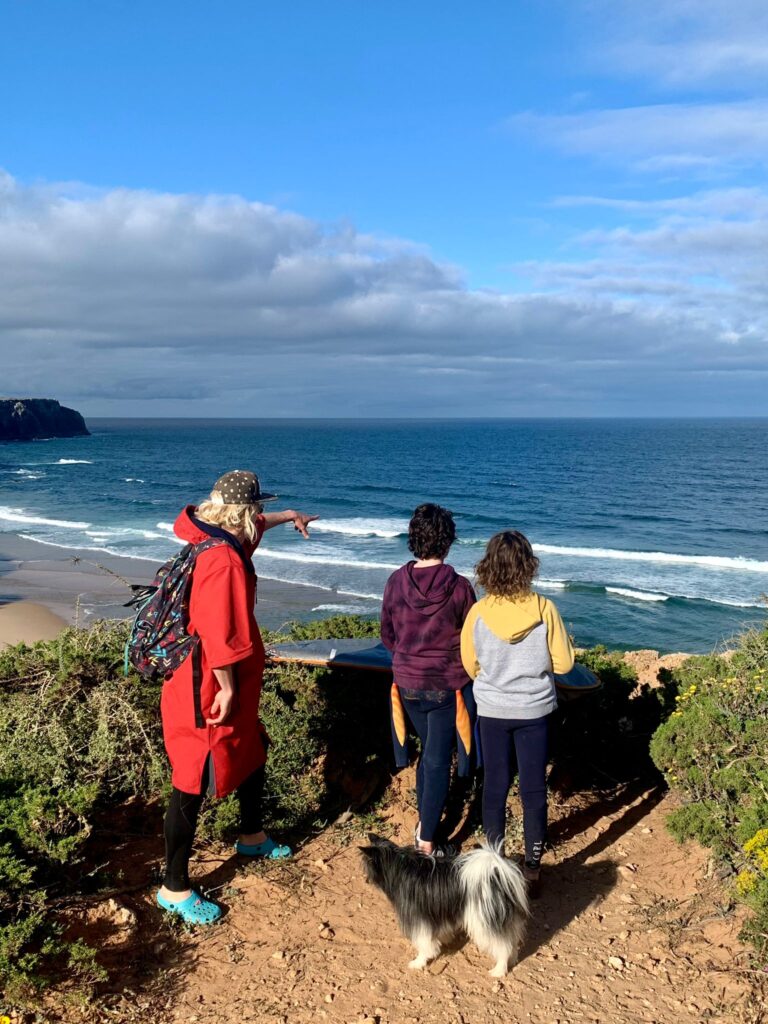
{"x": 81, "y": 586}
{"x": 26, "y": 622}
{"x": 630, "y": 928}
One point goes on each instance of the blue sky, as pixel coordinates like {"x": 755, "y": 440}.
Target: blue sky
{"x": 535, "y": 208}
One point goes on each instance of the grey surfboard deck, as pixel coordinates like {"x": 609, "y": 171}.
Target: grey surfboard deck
{"x": 371, "y": 654}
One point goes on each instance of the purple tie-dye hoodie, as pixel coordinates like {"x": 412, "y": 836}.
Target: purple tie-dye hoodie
{"x": 421, "y": 618}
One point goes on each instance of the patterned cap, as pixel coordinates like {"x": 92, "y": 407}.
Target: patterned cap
{"x": 241, "y": 487}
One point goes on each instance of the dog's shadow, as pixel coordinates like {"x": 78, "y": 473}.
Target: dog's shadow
{"x": 579, "y": 881}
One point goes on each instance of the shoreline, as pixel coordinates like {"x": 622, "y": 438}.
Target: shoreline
{"x": 77, "y": 586}
{"x": 45, "y": 588}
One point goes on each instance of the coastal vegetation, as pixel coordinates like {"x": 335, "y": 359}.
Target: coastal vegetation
{"x": 79, "y": 742}
{"x": 713, "y": 750}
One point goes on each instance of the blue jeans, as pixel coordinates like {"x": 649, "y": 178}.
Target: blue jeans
{"x": 501, "y": 741}
{"x": 433, "y": 715}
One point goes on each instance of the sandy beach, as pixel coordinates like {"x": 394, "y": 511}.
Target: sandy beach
{"x": 43, "y": 588}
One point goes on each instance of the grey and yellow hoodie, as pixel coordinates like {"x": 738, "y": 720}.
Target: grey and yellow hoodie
{"x": 511, "y": 648}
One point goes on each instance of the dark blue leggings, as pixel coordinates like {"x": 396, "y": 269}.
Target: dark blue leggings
{"x": 501, "y": 739}
{"x": 433, "y": 716}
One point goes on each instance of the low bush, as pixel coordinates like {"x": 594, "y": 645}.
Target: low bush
{"x": 713, "y": 750}
{"x": 77, "y": 738}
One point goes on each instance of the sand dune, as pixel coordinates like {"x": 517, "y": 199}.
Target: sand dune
{"x": 26, "y": 621}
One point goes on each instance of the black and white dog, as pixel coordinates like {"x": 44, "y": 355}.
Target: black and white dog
{"x": 479, "y": 894}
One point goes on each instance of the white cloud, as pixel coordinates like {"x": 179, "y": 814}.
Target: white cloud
{"x": 126, "y": 299}
{"x": 661, "y": 137}
{"x": 682, "y": 44}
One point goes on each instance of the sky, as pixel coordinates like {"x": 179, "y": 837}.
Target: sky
{"x": 531, "y": 208}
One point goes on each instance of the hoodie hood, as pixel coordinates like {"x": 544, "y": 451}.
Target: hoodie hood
{"x": 426, "y": 590}
{"x": 189, "y": 529}
{"x": 509, "y": 619}
{"x": 192, "y": 530}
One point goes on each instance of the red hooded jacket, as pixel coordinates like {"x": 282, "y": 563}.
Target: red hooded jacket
{"x": 221, "y": 613}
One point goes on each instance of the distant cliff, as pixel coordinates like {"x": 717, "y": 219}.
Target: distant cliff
{"x": 25, "y": 419}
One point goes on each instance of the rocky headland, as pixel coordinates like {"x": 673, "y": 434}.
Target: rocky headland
{"x": 30, "y": 419}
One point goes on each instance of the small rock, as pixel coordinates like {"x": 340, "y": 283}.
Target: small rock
{"x": 616, "y": 962}
{"x": 278, "y": 955}
{"x": 330, "y": 997}
{"x": 647, "y": 831}
{"x": 326, "y": 932}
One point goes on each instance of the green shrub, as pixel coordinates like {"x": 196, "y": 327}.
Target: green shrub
{"x": 712, "y": 750}
{"x": 77, "y": 738}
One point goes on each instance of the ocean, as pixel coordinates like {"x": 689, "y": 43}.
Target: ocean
{"x": 651, "y": 533}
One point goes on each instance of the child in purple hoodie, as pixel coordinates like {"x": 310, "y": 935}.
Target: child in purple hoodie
{"x": 424, "y": 607}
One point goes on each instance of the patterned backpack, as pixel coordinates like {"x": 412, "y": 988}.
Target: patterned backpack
{"x": 159, "y": 640}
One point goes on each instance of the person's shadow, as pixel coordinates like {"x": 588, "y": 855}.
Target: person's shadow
{"x": 579, "y": 881}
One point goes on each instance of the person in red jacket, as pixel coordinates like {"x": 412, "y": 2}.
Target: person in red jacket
{"x": 210, "y": 705}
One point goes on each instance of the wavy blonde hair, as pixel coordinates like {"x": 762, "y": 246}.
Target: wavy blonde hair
{"x": 235, "y": 518}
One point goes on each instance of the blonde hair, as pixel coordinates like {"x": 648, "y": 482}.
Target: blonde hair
{"x": 235, "y": 518}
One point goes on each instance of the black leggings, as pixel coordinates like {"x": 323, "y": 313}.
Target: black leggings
{"x": 181, "y": 822}
{"x": 501, "y": 741}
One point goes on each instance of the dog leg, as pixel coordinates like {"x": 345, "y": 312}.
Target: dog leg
{"x": 505, "y": 957}
{"x": 427, "y": 948}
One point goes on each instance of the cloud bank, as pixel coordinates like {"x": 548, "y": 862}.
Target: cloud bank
{"x": 143, "y": 302}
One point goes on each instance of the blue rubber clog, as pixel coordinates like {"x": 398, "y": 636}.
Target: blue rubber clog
{"x": 268, "y": 850}
{"x": 193, "y": 910}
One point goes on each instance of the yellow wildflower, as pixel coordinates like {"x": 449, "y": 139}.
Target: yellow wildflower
{"x": 746, "y": 882}
{"x": 756, "y": 849}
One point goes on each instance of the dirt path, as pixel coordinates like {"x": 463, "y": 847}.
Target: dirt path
{"x": 628, "y": 929}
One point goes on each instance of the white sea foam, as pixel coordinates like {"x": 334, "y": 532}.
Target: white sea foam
{"x": 73, "y": 462}
{"x": 290, "y": 556}
{"x": 87, "y": 547}
{"x": 552, "y": 584}
{"x": 30, "y": 474}
{"x": 636, "y": 595}
{"x": 707, "y": 561}
{"x": 362, "y": 527}
{"x": 133, "y": 480}
{"x": 344, "y": 609}
{"x": 19, "y": 515}
{"x": 720, "y": 600}
{"x": 165, "y": 526}
{"x": 294, "y": 583}
{"x": 354, "y": 593}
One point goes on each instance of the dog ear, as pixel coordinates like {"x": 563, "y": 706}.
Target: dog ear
{"x": 375, "y": 840}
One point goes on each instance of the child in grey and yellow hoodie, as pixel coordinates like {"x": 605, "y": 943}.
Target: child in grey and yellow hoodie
{"x": 512, "y": 643}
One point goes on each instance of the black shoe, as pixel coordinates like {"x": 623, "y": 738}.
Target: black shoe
{"x": 532, "y": 875}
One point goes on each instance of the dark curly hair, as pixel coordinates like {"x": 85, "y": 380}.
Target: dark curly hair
{"x": 431, "y": 531}
{"x": 508, "y": 566}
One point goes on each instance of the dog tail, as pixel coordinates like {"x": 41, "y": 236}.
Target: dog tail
{"x": 494, "y": 887}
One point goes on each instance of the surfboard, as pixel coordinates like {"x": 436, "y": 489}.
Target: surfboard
{"x": 370, "y": 654}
